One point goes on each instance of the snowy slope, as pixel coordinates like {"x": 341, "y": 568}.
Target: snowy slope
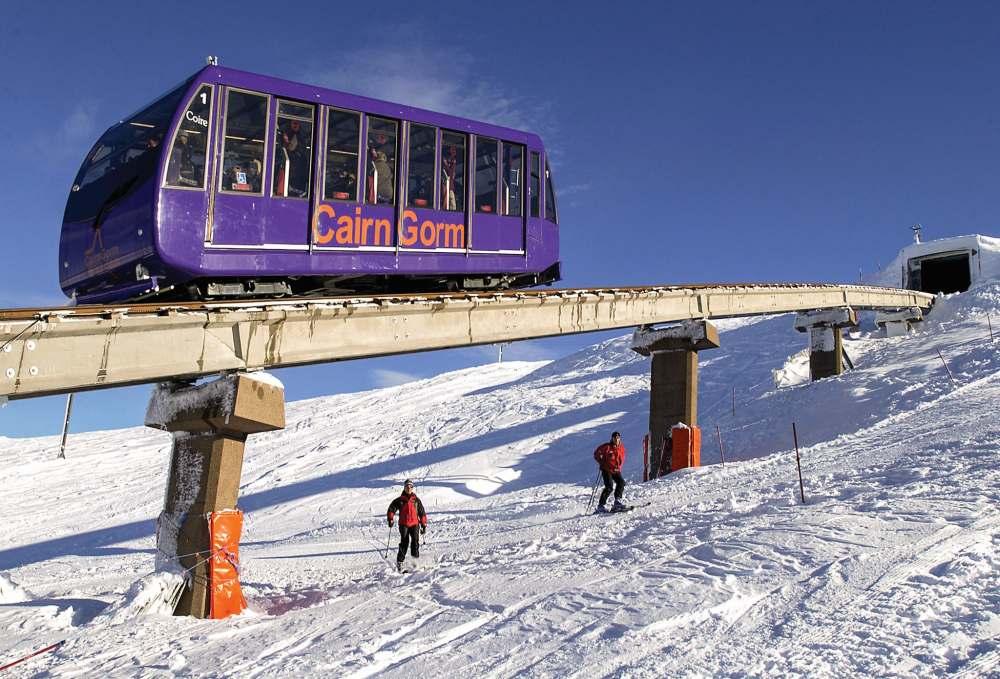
{"x": 891, "y": 568}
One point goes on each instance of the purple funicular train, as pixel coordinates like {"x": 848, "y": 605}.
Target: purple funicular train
{"x": 240, "y": 185}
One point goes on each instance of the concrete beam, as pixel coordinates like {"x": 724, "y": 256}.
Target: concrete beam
{"x": 826, "y": 342}
{"x": 210, "y": 424}
{"x": 691, "y": 335}
{"x": 673, "y": 389}
{"x": 75, "y": 349}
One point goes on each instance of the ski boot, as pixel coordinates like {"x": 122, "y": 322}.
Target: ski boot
{"x": 601, "y": 509}
{"x": 399, "y": 566}
{"x": 619, "y": 506}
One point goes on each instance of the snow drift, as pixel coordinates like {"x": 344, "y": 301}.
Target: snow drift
{"x": 890, "y": 568}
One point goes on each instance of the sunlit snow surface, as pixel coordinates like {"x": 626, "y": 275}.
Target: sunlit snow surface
{"x": 891, "y": 568}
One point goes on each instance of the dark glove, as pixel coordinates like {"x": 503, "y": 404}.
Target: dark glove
{"x": 390, "y": 523}
{"x": 423, "y": 530}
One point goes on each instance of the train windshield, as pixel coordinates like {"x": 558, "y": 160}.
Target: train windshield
{"x": 122, "y": 159}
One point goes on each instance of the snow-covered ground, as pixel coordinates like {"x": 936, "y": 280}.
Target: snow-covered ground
{"x": 891, "y": 568}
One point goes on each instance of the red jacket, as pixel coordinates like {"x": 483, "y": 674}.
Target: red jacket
{"x": 610, "y": 457}
{"x": 410, "y": 508}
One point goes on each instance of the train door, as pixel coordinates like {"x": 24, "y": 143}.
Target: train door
{"x": 512, "y": 182}
{"x": 237, "y": 206}
{"x": 263, "y": 177}
{"x": 288, "y": 212}
{"x": 498, "y": 208}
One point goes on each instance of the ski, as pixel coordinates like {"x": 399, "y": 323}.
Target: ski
{"x": 627, "y": 508}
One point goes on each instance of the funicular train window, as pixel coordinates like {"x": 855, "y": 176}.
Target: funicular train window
{"x": 243, "y": 148}
{"x": 513, "y": 179}
{"x": 292, "y": 150}
{"x": 342, "y": 138}
{"x": 535, "y": 187}
{"x": 550, "y": 195}
{"x": 380, "y": 188}
{"x": 186, "y": 166}
{"x": 420, "y": 176}
{"x": 452, "y": 171}
{"x": 486, "y": 174}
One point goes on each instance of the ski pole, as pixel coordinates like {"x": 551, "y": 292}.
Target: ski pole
{"x": 32, "y": 655}
{"x": 388, "y": 542}
{"x": 593, "y": 493}
{"x": 798, "y": 464}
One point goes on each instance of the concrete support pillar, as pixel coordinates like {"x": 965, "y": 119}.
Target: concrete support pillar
{"x": 210, "y": 424}
{"x": 826, "y": 344}
{"x": 673, "y": 388}
{"x": 900, "y": 322}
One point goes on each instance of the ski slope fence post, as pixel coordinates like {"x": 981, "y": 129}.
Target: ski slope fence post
{"x": 952, "y": 377}
{"x": 989, "y": 324}
{"x": 645, "y": 458}
{"x": 722, "y": 452}
{"x": 798, "y": 463}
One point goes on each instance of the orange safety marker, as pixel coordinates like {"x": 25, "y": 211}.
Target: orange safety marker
{"x": 686, "y": 450}
{"x": 225, "y": 597}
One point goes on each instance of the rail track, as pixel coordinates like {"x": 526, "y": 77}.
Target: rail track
{"x": 158, "y": 307}
{"x": 56, "y": 350}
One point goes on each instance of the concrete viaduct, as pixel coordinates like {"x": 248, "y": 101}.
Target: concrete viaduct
{"x": 64, "y": 350}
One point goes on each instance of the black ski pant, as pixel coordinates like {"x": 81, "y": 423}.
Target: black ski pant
{"x": 619, "y": 483}
{"x": 409, "y": 536}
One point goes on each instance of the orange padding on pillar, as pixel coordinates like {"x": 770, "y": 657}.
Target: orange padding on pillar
{"x": 225, "y": 597}
{"x": 686, "y": 450}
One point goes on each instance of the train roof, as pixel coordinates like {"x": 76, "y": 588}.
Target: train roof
{"x": 323, "y": 95}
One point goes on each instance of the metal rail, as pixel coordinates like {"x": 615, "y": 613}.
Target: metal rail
{"x": 60, "y": 350}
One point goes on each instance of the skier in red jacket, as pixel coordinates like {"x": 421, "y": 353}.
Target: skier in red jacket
{"x": 411, "y": 517}
{"x": 611, "y": 456}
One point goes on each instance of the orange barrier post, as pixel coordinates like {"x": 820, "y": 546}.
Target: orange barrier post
{"x": 225, "y": 596}
{"x": 686, "y": 450}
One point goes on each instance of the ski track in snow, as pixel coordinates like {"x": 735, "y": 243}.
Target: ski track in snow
{"x": 891, "y": 568}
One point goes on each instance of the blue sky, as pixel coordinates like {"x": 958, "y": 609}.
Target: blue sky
{"x": 693, "y": 142}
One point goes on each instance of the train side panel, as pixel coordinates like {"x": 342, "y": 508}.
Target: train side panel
{"x": 214, "y": 211}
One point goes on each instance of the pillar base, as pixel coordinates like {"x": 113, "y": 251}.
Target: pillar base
{"x": 826, "y": 344}
{"x": 210, "y": 424}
